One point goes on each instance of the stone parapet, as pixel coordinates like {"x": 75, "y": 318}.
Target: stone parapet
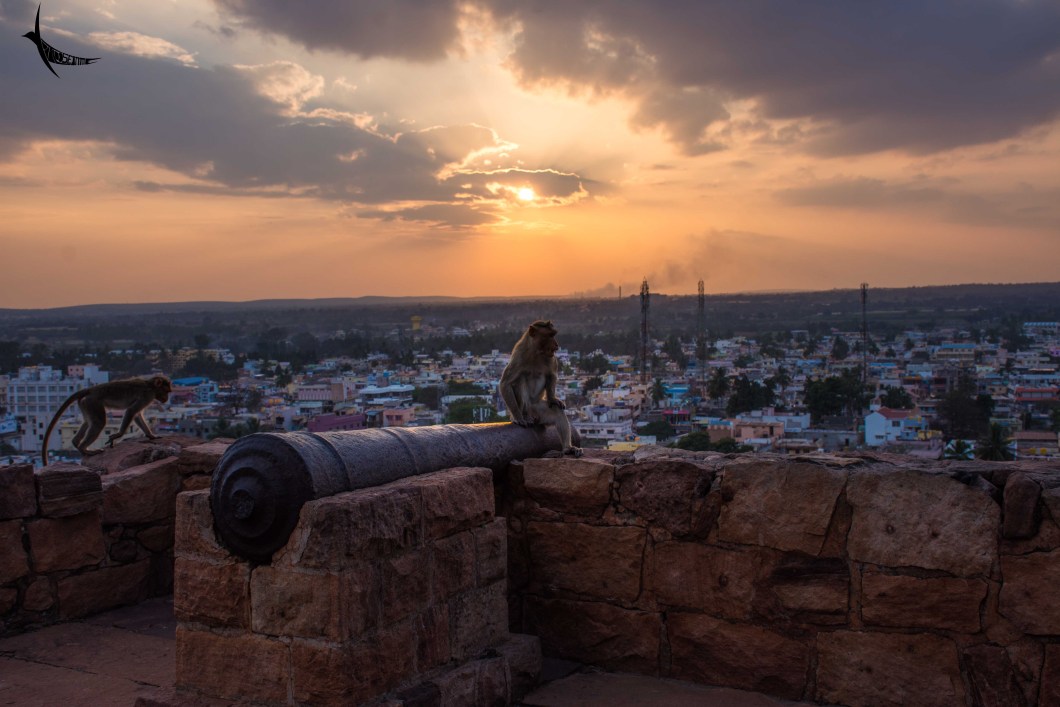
{"x": 395, "y": 594}
{"x": 855, "y": 580}
{"x": 78, "y": 539}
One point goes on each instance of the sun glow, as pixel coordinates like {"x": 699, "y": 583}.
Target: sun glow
{"x": 526, "y": 194}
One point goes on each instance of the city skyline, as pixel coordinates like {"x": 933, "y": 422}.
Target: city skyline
{"x": 228, "y": 150}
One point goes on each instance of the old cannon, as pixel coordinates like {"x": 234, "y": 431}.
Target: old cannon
{"x": 263, "y": 480}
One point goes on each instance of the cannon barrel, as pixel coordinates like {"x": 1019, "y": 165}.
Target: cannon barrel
{"x": 263, "y": 480}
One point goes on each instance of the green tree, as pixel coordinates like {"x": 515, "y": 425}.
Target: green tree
{"x": 840, "y": 348}
{"x": 700, "y": 442}
{"x": 593, "y": 383}
{"x": 897, "y": 398}
{"x": 718, "y": 387}
{"x": 835, "y": 395}
{"x": 748, "y": 395}
{"x": 994, "y": 446}
{"x": 957, "y": 449}
{"x": 658, "y": 391}
{"x": 468, "y": 410}
{"x": 597, "y": 363}
{"x": 961, "y": 413}
{"x": 661, "y": 429}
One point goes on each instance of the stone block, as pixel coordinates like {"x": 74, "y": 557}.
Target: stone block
{"x": 689, "y": 575}
{"x": 194, "y": 534}
{"x": 1050, "y": 690}
{"x": 39, "y": 595}
{"x": 352, "y": 673}
{"x": 8, "y": 599}
{"x": 313, "y": 604}
{"x": 577, "y": 486}
{"x": 783, "y": 505}
{"x": 455, "y": 499}
{"x": 346, "y": 529}
{"x": 1028, "y": 591}
{"x": 803, "y": 589}
{"x": 141, "y": 494}
{"x": 597, "y": 634}
{"x": 523, "y": 654}
{"x": 480, "y": 683}
{"x": 992, "y": 678}
{"x": 452, "y": 565}
{"x": 201, "y": 458}
{"x": 431, "y": 634}
{"x": 102, "y": 589}
{"x": 888, "y": 669}
{"x": 18, "y": 492}
{"x": 603, "y": 562}
{"x": 157, "y": 538}
{"x": 947, "y": 603}
{"x": 67, "y": 490}
{"x": 406, "y": 585}
{"x": 662, "y": 492}
{"x": 1020, "y": 518}
{"x": 196, "y": 482}
{"x": 743, "y": 656}
{"x": 491, "y": 552}
{"x": 907, "y": 518}
{"x": 13, "y": 561}
{"x": 234, "y": 666}
{"x": 67, "y": 543}
{"x": 478, "y": 619}
{"x": 211, "y": 593}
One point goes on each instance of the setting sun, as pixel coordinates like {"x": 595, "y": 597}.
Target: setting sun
{"x": 525, "y": 194}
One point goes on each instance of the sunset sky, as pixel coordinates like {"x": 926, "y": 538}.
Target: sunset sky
{"x": 248, "y": 149}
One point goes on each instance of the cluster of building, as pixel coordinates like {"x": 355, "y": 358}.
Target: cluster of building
{"x": 609, "y": 408}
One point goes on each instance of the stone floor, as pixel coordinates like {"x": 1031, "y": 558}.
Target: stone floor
{"x": 114, "y": 658}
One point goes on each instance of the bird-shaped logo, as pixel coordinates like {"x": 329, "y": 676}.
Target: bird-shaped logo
{"x": 49, "y": 54}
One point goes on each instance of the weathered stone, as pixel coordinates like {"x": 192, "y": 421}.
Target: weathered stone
{"x": 491, "y": 552}
{"x": 67, "y": 490}
{"x": 406, "y": 586}
{"x": 66, "y": 543}
{"x": 38, "y": 595}
{"x": 343, "y": 530}
{"x": 782, "y": 505}
{"x": 565, "y": 485}
{"x": 335, "y": 606}
{"x": 106, "y": 588}
{"x": 352, "y": 673}
{"x": 202, "y": 458}
{"x": 599, "y": 562}
{"x": 748, "y": 657}
{"x": 1028, "y": 591}
{"x": 947, "y": 603}
{"x": 455, "y": 499}
{"x": 662, "y": 492}
{"x": 694, "y": 576}
{"x": 18, "y": 492}
{"x": 992, "y": 678}
{"x": 157, "y": 538}
{"x": 598, "y": 634}
{"x": 13, "y": 560}
{"x": 194, "y": 534}
{"x": 523, "y": 655}
{"x": 8, "y": 599}
{"x": 906, "y": 518}
{"x": 452, "y": 565}
{"x": 883, "y": 669}
{"x": 196, "y": 482}
{"x": 136, "y": 451}
{"x": 1051, "y": 499}
{"x": 1020, "y": 518}
{"x": 216, "y": 594}
{"x": 1050, "y": 691}
{"x": 233, "y": 666}
{"x": 805, "y": 589}
{"x": 480, "y": 682}
{"x": 123, "y": 552}
{"x": 142, "y": 494}
{"x": 478, "y": 619}
{"x": 431, "y": 632}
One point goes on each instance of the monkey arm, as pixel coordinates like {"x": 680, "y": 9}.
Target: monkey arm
{"x": 141, "y": 422}
{"x": 512, "y": 401}
{"x": 550, "y": 391}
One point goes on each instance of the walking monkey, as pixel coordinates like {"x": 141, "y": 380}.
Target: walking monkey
{"x": 528, "y": 383}
{"x": 133, "y": 395}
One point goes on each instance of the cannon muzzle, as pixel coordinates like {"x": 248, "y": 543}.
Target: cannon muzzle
{"x": 263, "y": 480}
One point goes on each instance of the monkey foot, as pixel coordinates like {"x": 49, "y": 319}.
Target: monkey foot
{"x": 574, "y": 451}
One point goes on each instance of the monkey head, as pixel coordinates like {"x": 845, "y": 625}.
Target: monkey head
{"x": 162, "y": 388}
{"x": 544, "y": 335}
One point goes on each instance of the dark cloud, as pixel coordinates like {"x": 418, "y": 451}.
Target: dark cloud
{"x": 245, "y": 130}
{"x": 861, "y": 192}
{"x": 404, "y": 29}
{"x": 915, "y": 75}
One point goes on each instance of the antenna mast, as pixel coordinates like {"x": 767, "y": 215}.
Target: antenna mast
{"x": 645, "y": 302}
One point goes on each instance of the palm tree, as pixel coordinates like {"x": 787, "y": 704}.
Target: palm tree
{"x": 994, "y": 446}
{"x": 957, "y": 449}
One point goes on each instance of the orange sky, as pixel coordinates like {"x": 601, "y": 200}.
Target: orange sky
{"x": 235, "y": 150}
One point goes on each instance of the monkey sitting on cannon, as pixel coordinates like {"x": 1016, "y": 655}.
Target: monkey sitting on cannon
{"x": 132, "y": 395}
{"x": 528, "y": 383}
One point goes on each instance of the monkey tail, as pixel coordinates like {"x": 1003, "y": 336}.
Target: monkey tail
{"x": 77, "y": 395}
